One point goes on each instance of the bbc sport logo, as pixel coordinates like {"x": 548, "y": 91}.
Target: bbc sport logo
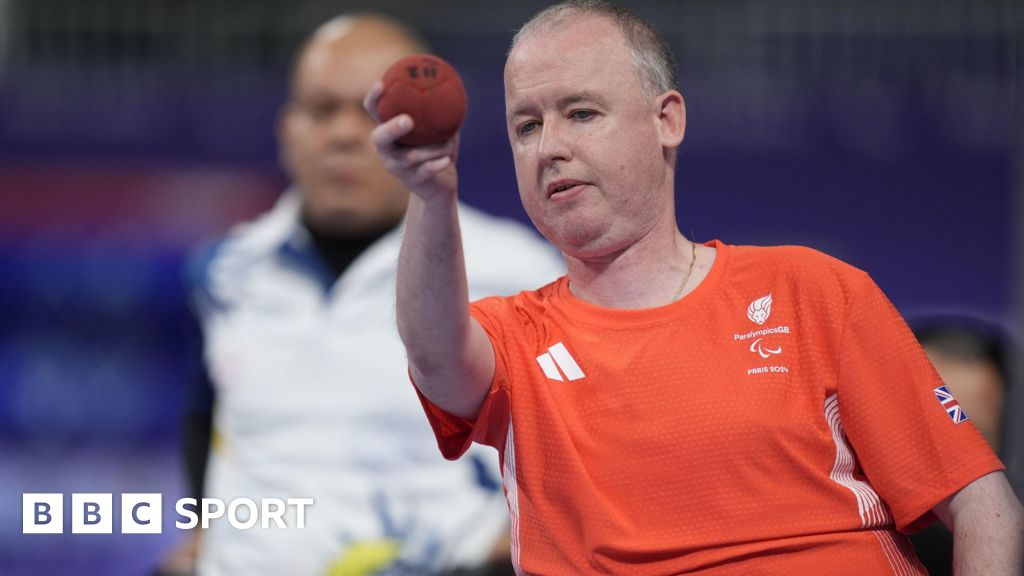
{"x": 93, "y": 513}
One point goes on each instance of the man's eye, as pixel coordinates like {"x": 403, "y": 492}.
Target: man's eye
{"x": 527, "y": 127}
{"x": 318, "y": 110}
{"x": 582, "y": 114}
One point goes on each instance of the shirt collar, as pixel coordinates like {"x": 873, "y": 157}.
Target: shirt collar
{"x": 296, "y": 247}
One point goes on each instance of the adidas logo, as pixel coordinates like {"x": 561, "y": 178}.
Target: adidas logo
{"x": 557, "y": 361}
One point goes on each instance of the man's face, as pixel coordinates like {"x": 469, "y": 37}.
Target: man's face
{"x": 577, "y": 116}
{"x": 325, "y": 136}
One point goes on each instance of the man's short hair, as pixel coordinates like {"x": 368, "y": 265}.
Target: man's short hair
{"x": 342, "y": 22}
{"x": 652, "y": 58}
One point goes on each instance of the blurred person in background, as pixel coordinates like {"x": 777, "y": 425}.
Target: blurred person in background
{"x": 971, "y": 357}
{"x": 304, "y": 368}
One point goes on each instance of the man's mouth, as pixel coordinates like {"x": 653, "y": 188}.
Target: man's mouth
{"x": 342, "y": 176}
{"x": 562, "y": 187}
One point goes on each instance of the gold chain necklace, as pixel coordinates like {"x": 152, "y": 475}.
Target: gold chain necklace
{"x": 689, "y": 272}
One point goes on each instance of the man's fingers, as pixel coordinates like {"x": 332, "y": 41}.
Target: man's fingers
{"x": 436, "y": 165}
{"x": 372, "y": 98}
{"x": 422, "y": 168}
{"x": 418, "y": 162}
{"x": 428, "y": 171}
{"x": 384, "y": 135}
{"x": 418, "y": 154}
{"x": 400, "y": 158}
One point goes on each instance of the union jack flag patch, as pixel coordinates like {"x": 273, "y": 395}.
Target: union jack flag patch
{"x": 956, "y": 413}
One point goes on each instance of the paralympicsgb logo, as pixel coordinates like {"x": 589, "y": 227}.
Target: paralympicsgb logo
{"x": 760, "y": 309}
{"x": 764, "y": 342}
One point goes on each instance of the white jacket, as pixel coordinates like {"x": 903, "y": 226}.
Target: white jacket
{"x": 314, "y": 400}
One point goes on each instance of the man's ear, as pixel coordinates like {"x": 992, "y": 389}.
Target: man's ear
{"x": 671, "y": 118}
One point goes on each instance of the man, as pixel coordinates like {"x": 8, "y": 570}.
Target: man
{"x": 670, "y": 407}
{"x": 312, "y": 394}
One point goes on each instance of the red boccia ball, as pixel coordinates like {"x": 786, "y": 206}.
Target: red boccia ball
{"x": 428, "y": 89}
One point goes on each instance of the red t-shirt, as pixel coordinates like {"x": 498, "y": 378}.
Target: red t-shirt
{"x": 780, "y": 419}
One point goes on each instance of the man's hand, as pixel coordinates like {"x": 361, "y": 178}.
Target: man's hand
{"x": 427, "y": 171}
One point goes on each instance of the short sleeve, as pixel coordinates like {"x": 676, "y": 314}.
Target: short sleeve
{"x": 455, "y": 434}
{"x": 912, "y": 445}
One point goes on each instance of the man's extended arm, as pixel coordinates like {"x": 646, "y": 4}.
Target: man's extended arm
{"x": 987, "y": 522}
{"x": 450, "y": 356}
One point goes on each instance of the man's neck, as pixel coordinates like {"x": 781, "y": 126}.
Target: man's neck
{"x": 340, "y": 249}
{"x": 647, "y": 274}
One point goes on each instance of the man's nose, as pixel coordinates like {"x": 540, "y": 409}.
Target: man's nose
{"x": 554, "y": 144}
{"x": 349, "y": 127}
